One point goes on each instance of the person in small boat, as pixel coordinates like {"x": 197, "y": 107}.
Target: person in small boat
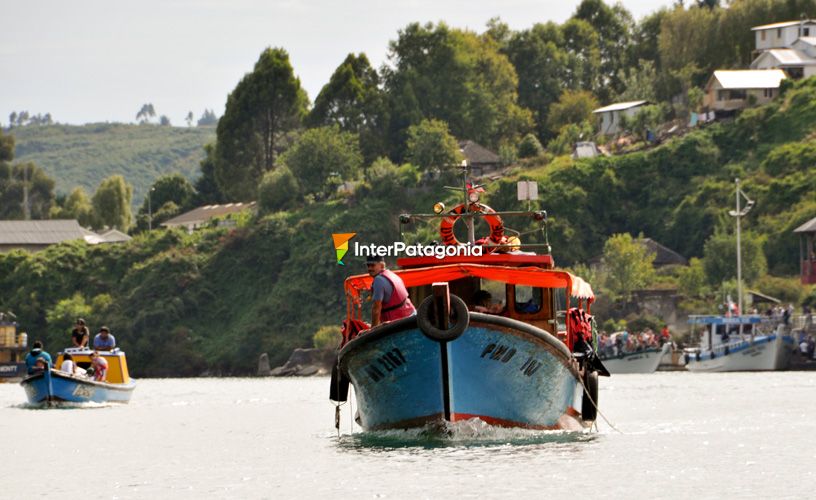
{"x": 36, "y": 354}
{"x": 388, "y": 293}
{"x": 69, "y": 365}
{"x": 482, "y": 302}
{"x": 104, "y": 341}
{"x": 80, "y": 334}
{"x": 100, "y": 367}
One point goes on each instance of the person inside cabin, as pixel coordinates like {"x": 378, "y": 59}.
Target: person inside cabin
{"x": 104, "y": 341}
{"x": 37, "y": 354}
{"x": 388, "y": 293}
{"x": 69, "y": 365}
{"x": 482, "y": 302}
{"x": 80, "y": 334}
{"x": 100, "y": 367}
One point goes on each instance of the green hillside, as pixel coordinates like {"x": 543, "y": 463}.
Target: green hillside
{"x": 213, "y": 301}
{"x": 84, "y": 155}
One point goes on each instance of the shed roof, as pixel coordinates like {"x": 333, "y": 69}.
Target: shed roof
{"x": 807, "y": 227}
{"x": 205, "y": 213}
{"x": 620, "y": 106}
{"x": 749, "y": 78}
{"x": 114, "y": 236}
{"x": 39, "y": 232}
{"x": 783, "y": 24}
{"x": 476, "y": 153}
{"x": 664, "y": 256}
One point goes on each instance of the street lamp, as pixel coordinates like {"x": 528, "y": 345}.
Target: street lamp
{"x": 738, "y": 214}
{"x": 149, "y": 210}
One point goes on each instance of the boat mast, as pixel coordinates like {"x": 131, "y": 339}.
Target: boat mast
{"x": 738, "y": 214}
{"x": 469, "y": 216}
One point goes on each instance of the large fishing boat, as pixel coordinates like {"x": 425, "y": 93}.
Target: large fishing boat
{"x": 740, "y": 343}
{"x": 528, "y": 363}
{"x": 53, "y": 386}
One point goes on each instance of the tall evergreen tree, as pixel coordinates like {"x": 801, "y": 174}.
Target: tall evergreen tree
{"x": 265, "y": 104}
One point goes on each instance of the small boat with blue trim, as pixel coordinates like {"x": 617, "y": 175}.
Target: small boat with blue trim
{"x": 528, "y": 363}
{"x": 740, "y": 343}
{"x": 52, "y": 386}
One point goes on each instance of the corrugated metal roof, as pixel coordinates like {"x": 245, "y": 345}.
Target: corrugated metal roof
{"x": 620, "y": 106}
{"x": 203, "y": 214}
{"x": 114, "y": 236}
{"x": 807, "y": 227}
{"x": 39, "y": 232}
{"x": 784, "y": 24}
{"x": 749, "y": 78}
{"x": 791, "y": 56}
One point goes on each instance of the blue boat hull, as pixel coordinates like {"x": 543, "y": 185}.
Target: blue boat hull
{"x": 55, "y": 386}
{"x": 499, "y": 370}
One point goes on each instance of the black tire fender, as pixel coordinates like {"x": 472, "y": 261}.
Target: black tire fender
{"x": 459, "y": 316}
{"x": 589, "y": 411}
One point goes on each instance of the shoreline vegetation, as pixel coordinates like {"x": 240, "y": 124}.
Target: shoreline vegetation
{"x": 375, "y": 144}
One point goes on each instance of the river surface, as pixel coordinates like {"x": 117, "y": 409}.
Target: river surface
{"x": 675, "y": 435}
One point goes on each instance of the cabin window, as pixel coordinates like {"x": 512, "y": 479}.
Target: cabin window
{"x": 805, "y": 31}
{"x": 737, "y": 95}
{"x": 527, "y": 299}
{"x": 497, "y": 300}
{"x": 762, "y": 35}
{"x": 778, "y": 32}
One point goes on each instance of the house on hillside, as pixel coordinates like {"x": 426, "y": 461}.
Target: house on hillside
{"x": 788, "y": 46}
{"x": 610, "y": 116}
{"x": 35, "y": 235}
{"x": 807, "y": 251}
{"x": 782, "y": 35}
{"x": 201, "y": 216}
{"x": 480, "y": 159}
{"x": 731, "y": 90}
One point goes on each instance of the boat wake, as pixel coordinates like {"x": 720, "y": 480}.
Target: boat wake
{"x": 63, "y": 405}
{"x": 467, "y": 433}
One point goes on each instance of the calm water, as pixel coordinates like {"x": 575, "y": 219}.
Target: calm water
{"x": 681, "y": 435}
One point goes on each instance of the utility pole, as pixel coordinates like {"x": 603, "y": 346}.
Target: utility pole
{"x": 26, "y": 205}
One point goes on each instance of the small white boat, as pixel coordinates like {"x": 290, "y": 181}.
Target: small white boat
{"x": 643, "y": 361}
{"x": 740, "y": 343}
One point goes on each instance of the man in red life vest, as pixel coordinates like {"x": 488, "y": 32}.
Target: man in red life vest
{"x": 388, "y": 292}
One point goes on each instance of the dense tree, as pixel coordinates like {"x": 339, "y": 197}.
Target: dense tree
{"x": 169, "y": 188}
{"x": 324, "y": 157}
{"x": 146, "y": 112}
{"x": 26, "y": 191}
{"x": 207, "y": 119}
{"x": 582, "y": 45}
{"x": 455, "y": 76}
{"x": 529, "y": 147}
{"x": 164, "y": 121}
{"x": 720, "y": 257}
{"x": 573, "y": 107}
{"x": 614, "y": 28}
{"x": 76, "y": 205}
{"x": 265, "y": 104}
{"x": 638, "y": 83}
{"x": 431, "y": 147}
{"x": 543, "y": 67}
{"x": 207, "y": 191}
{"x": 111, "y": 203}
{"x": 353, "y": 101}
{"x": 6, "y": 147}
{"x": 627, "y": 265}
{"x": 278, "y": 190}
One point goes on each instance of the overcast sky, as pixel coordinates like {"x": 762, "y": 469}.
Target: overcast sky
{"x": 94, "y": 61}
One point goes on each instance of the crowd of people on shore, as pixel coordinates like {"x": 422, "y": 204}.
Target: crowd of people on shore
{"x": 38, "y": 359}
{"x": 623, "y": 342}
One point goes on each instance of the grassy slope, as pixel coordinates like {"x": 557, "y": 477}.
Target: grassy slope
{"x": 83, "y": 155}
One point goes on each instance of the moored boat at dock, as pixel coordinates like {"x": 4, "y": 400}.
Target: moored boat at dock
{"x": 740, "y": 343}
{"x": 12, "y": 347}
{"x": 53, "y": 386}
{"x": 643, "y": 361}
